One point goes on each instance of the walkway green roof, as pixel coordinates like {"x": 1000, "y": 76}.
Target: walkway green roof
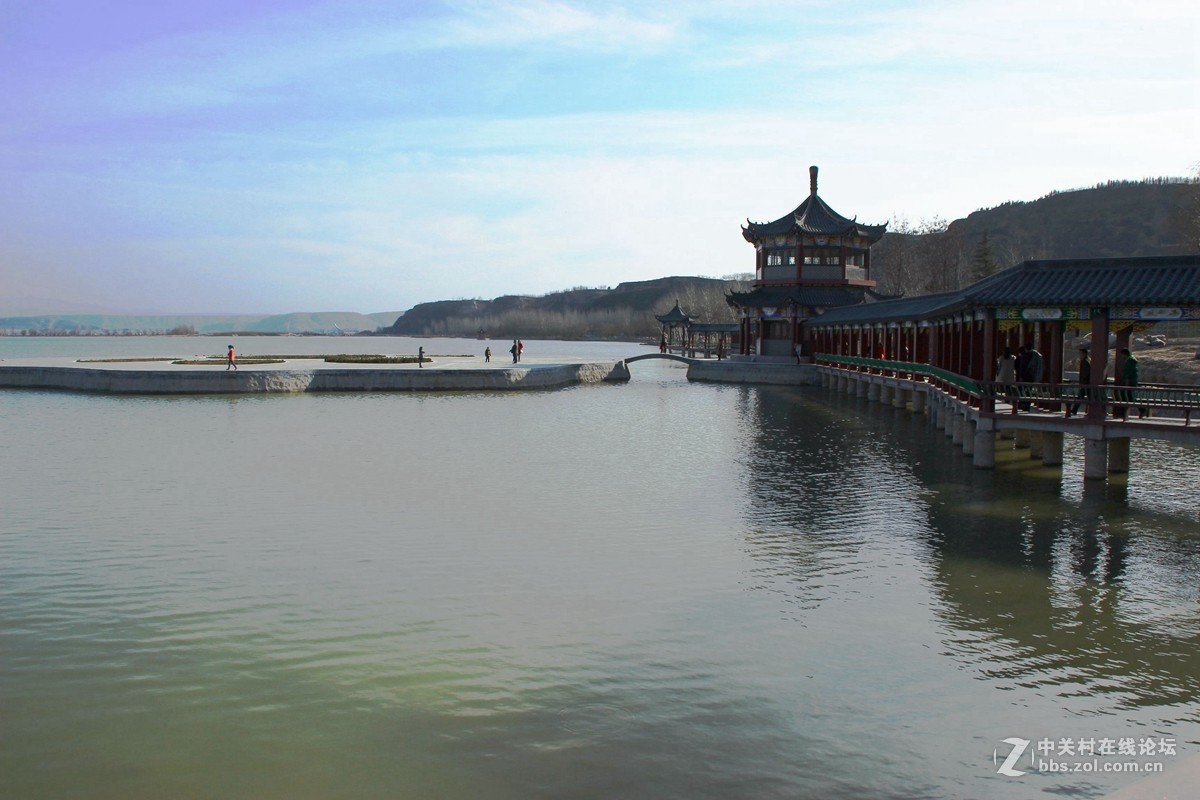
{"x": 1151, "y": 281}
{"x": 1162, "y": 280}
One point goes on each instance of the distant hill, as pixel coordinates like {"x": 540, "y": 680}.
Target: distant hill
{"x": 329, "y": 322}
{"x": 626, "y": 311}
{"x": 1118, "y": 219}
{"x": 314, "y": 322}
{"x": 1122, "y": 218}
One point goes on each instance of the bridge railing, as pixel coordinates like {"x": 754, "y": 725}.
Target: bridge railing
{"x": 1115, "y": 398}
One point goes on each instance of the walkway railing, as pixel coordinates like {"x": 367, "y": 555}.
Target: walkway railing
{"x": 1117, "y": 399}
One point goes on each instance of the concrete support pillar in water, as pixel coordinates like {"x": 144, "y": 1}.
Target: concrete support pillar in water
{"x": 948, "y": 416}
{"x": 873, "y": 391}
{"x": 1035, "y": 444}
{"x": 1095, "y": 455}
{"x": 918, "y": 401}
{"x": 968, "y": 436}
{"x": 885, "y": 394}
{"x": 844, "y": 383}
{"x": 1118, "y": 455}
{"x": 900, "y": 398}
{"x": 1023, "y": 436}
{"x": 1052, "y": 448}
{"x": 860, "y": 386}
{"x": 935, "y": 408}
{"x": 960, "y": 422}
{"x": 984, "y": 456}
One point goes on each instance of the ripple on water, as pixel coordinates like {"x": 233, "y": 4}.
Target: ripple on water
{"x": 656, "y": 590}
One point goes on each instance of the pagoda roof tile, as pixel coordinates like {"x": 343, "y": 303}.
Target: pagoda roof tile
{"x": 813, "y": 217}
{"x": 675, "y": 315}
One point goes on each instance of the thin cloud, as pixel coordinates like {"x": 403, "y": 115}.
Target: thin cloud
{"x": 341, "y": 154}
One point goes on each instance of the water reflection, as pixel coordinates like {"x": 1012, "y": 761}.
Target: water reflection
{"x": 1088, "y": 601}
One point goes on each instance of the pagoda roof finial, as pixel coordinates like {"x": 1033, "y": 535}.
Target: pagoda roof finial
{"x": 812, "y": 217}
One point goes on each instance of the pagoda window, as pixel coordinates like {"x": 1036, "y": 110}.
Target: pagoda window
{"x": 823, "y": 255}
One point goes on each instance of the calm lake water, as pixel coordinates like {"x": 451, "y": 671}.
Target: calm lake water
{"x": 648, "y": 590}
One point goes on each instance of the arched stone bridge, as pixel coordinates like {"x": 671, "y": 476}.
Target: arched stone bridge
{"x": 668, "y": 356}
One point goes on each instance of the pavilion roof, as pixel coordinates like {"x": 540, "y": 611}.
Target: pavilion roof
{"x": 813, "y": 216}
{"x": 675, "y": 315}
{"x": 901, "y": 308}
{"x": 1150, "y": 281}
{"x": 1169, "y": 280}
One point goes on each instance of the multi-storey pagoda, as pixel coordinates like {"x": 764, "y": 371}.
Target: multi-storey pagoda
{"x": 809, "y": 260}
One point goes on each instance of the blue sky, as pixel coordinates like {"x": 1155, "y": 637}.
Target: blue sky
{"x": 271, "y": 156}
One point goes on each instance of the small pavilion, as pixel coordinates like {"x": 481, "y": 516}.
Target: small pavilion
{"x": 685, "y": 335}
{"x": 674, "y": 327}
{"x": 807, "y": 261}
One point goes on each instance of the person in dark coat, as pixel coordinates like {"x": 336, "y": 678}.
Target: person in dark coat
{"x": 1129, "y": 377}
{"x": 1085, "y": 380}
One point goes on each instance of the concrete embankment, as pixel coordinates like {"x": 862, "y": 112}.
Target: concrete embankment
{"x": 754, "y": 372}
{"x": 251, "y": 381}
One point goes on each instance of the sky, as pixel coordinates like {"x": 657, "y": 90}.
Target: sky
{"x": 271, "y": 156}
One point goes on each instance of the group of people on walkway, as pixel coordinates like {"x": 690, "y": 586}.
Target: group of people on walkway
{"x": 1028, "y": 366}
{"x": 517, "y": 347}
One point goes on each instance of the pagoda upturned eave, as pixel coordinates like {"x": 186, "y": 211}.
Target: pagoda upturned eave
{"x": 813, "y": 217}
{"x": 675, "y": 316}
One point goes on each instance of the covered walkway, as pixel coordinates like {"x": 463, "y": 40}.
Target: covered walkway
{"x": 939, "y": 352}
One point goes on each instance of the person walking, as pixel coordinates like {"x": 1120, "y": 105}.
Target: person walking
{"x": 1085, "y": 380}
{"x": 1031, "y": 372}
{"x": 420, "y": 357}
{"x": 1129, "y": 377}
{"x": 520, "y": 349}
{"x": 487, "y": 355}
{"x": 1006, "y": 374}
{"x": 230, "y": 359}
{"x": 516, "y": 352}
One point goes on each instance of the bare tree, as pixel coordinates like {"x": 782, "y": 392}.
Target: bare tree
{"x": 920, "y": 258}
